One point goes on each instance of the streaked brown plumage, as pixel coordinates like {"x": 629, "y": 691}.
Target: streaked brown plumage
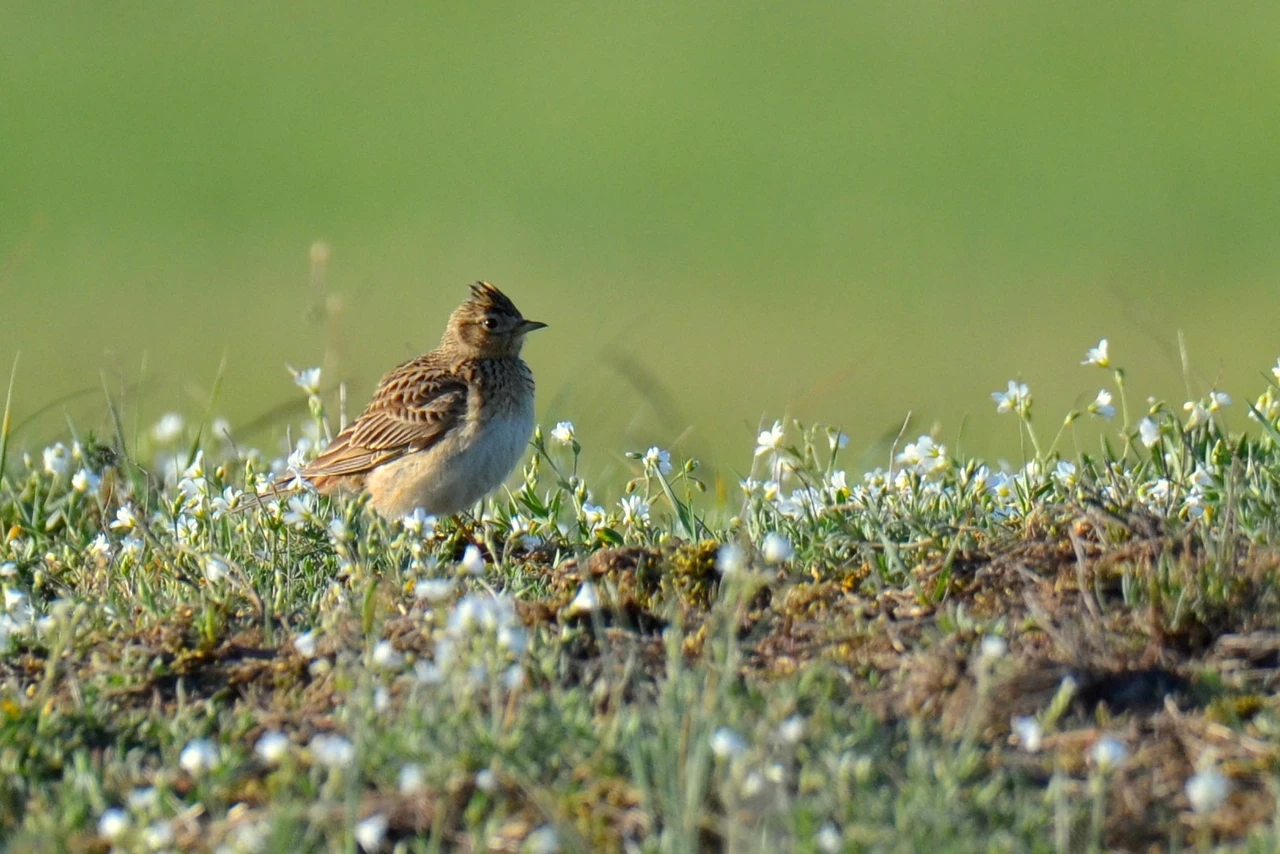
{"x": 444, "y": 429}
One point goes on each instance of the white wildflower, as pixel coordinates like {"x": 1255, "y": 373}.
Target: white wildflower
{"x": 472, "y": 562}
{"x": 412, "y": 779}
{"x": 777, "y": 548}
{"x": 993, "y": 647}
{"x": 487, "y": 781}
{"x": 1149, "y": 431}
{"x": 1016, "y": 399}
{"x": 770, "y": 441}
{"x": 563, "y": 433}
{"x": 1207, "y": 790}
{"x": 125, "y": 519}
{"x": 1098, "y": 355}
{"x": 100, "y": 549}
{"x": 331, "y": 751}
{"x": 791, "y": 730}
{"x": 1199, "y": 414}
{"x": 586, "y": 602}
{"x": 594, "y": 516}
{"x": 113, "y": 824}
{"x": 727, "y": 744}
{"x": 86, "y": 482}
{"x": 731, "y": 558}
{"x": 828, "y": 839}
{"x": 272, "y": 747}
{"x": 371, "y": 832}
{"x": 434, "y": 589}
{"x": 544, "y": 840}
{"x": 1108, "y": 752}
{"x": 657, "y": 460}
{"x": 385, "y": 656}
{"x": 307, "y": 379}
{"x": 1102, "y": 407}
{"x": 158, "y": 835}
{"x": 1065, "y": 474}
{"x": 1029, "y": 732}
{"x": 199, "y": 757}
{"x": 305, "y": 644}
{"x": 635, "y": 510}
{"x": 168, "y": 428}
{"x": 419, "y": 523}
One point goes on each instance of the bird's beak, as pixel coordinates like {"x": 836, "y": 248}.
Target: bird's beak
{"x": 528, "y": 326}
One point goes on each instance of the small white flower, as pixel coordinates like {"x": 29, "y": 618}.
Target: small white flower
{"x": 434, "y": 589}
{"x": 332, "y": 751}
{"x": 15, "y": 600}
{"x": 385, "y": 656}
{"x": 657, "y": 460}
{"x": 1267, "y": 405}
{"x": 563, "y": 433}
{"x": 487, "y": 781}
{"x": 586, "y": 602}
{"x": 125, "y": 520}
{"x": 1102, "y": 407}
{"x": 727, "y": 744}
{"x": 731, "y": 558}
{"x": 635, "y": 510}
{"x": 1207, "y": 790}
{"x": 85, "y": 482}
{"x": 168, "y": 428}
{"x": 158, "y": 835}
{"x": 113, "y": 824}
{"x": 837, "y": 440}
{"x": 305, "y": 644}
{"x": 1218, "y": 399}
{"x": 770, "y": 441}
{"x": 472, "y": 562}
{"x": 1029, "y": 732}
{"x": 593, "y": 515}
{"x": 272, "y": 747}
{"x": 542, "y": 841}
{"x": 100, "y": 549}
{"x": 777, "y": 548}
{"x": 215, "y": 569}
{"x": 1275, "y": 372}
{"x": 370, "y": 832}
{"x": 307, "y": 379}
{"x": 220, "y": 428}
{"x": 791, "y": 730}
{"x": 1108, "y": 752}
{"x": 1065, "y": 474}
{"x": 199, "y": 757}
{"x": 993, "y": 647}
{"x": 419, "y": 523}
{"x": 1149, "y": 431}
{"x": 1098, "y": 355}
{"x": 131, "y": 547}
{"x": 8, "y": 569}
{"x": 1016, "y": 399}
{"x": 412, "y": 779}
{"x": 1199, "y": 415}
{"x": 142, "y": 799}
{"x": 828, "y": 839}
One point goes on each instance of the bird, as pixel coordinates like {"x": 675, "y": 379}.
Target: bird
{"x": 442, "y": 430}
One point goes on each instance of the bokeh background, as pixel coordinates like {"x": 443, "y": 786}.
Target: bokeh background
{"x": 727, "y": 212}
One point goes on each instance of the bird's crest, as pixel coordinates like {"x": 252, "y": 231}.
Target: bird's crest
{"x": 486, "y": 296}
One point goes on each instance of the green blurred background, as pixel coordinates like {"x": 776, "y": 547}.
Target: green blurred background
{"x": 727, "y": 212}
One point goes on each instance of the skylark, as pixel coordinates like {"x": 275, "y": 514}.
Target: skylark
{"x": 445, "y": 429}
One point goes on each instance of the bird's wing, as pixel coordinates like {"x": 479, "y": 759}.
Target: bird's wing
{"x": 413, "y": 408}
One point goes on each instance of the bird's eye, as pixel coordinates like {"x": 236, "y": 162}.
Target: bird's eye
{"x": 490, "y": 324}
